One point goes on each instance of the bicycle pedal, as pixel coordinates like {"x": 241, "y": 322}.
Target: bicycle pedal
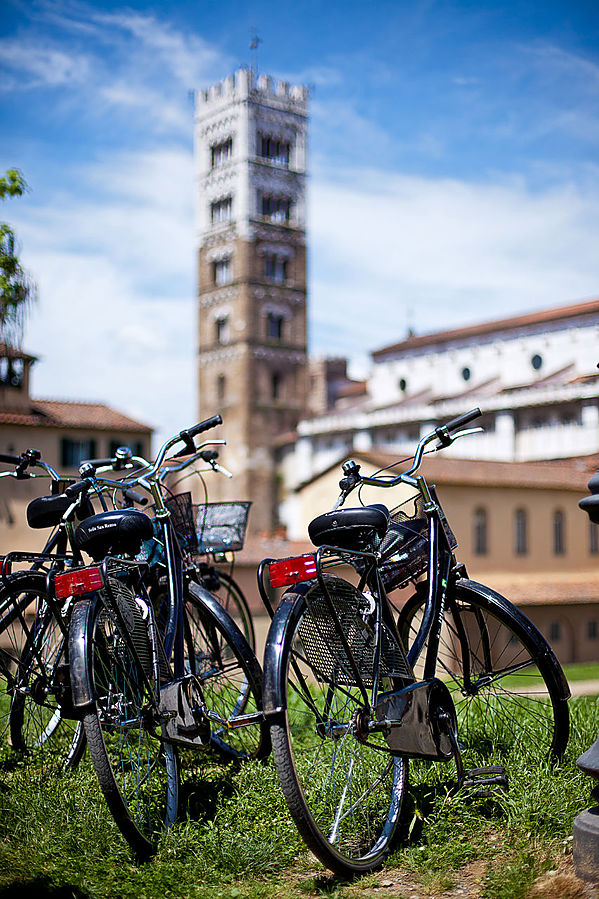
{"x": 483, "y": 782}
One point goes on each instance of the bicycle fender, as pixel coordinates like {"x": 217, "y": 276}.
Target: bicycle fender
{"x": 284, "y": 617}
{"x": 494, "y": 599}
{"x": 82, "y": 687}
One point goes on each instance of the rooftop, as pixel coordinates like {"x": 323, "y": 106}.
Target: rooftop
{"x": 531, "y": 319}
{"x": 60, "y": 414}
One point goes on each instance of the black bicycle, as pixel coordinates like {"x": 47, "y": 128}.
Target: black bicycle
{"x": 351, "y": 692}
{"x": 156, "y": 663}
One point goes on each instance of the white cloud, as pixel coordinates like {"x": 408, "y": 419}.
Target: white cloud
{"x": 388, "y": 248}
{"x": 33, "y": 65}
{"x": 117, "y": 311}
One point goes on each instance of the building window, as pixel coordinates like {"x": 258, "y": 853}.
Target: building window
{"x": 221, "y": 210}
{"x": 555, "y": 632}
{"x": 221, "y": 153}
{"x": 521, "y": 532}
{"x": 222, "y": 271}
{"x": 275, "y": 151}
{"x": 480, "y": 532}
{"x": 559, "y": 533}
{"x": 74, "y": 452}
{"x": 11, "y": 372}
{"x": 593, "y": 538}
{"x": 221, "y": 388}
{"x": 274, "y": 326}
{"x": 592, "y": 629}
{"x": 275, "y": 268}
{"x": 466, "y": 373}
{"x": 275, "y": 209}
{"x": 403, "y": 385}
{"x": 536, "y": 362}
{"x": 276, "y": 383}
{"x": 135, "y": 447}
{"x": 222, "y": 334}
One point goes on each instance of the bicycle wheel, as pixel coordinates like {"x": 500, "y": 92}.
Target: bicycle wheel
{"x": 34, "y": 676}
{"x": 230, "y": 595}
{"x": 343, "y": 788}
{"x": 229, "y": 674}
{"x": 508, "y": 688}
{"x": 138, "y": 772}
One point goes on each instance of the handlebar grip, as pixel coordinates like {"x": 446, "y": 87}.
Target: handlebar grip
{"x": 97, "y": 462}
{"x": 11, "y": 460}
{"x": 456, "y": 423}
{"x": 78, "y": 487}
{"x": 205, "y": 425}
{"x": 134, "y": 497}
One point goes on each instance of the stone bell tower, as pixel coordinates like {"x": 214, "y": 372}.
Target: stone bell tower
{"x": 250, "y": 164}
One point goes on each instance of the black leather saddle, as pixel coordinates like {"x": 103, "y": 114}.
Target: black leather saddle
{"x": 47, "y": 511}
{"x": 350, "y": 528}
{"x": 118, "y": 531}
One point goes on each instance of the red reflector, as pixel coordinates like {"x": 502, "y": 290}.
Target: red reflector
{"x": 74, "y": 583}
{"x": 292, "y": 571}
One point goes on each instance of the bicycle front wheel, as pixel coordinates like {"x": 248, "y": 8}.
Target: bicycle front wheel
{"x": 343, "y": 788}
{"x": 508, "y": 688}
{"x": 137, "y": 770}
{"x": 230, "y": 676}
{"x": 232, "y": 599}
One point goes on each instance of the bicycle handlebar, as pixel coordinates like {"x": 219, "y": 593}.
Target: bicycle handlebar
{"x": 445, "y": 434}
{"x": 30, "y": 457}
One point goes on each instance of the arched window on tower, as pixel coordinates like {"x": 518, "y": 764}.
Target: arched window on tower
{"x": 222, "y": 330}
{"x": 221, "y": 388}
{"x": 276, "y": 386}
{"x": 274, "y": 325}
{"x": 481, "y": 547}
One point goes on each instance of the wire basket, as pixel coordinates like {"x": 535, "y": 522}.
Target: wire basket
{"x": 220, "y": 527}
{"x": 183, "y": 519}
{"x": 405, "y": 547}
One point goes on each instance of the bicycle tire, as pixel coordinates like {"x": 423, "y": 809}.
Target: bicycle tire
{"x": 138, "y": 772}
{"x": 515, "y": 697}
{"x": 232, "y": 599}
{"x": 230, "y": 676}
{"x": 343, "y": 788}
{"x": 34, "y": 678}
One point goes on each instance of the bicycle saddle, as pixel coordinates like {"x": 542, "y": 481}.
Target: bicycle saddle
{"x": 47, "y": 511}
{"x": 349, "y": 528}
{"x": 118, "y": 531}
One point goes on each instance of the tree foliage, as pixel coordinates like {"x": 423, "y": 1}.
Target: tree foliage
{"x": 17, "y": 290}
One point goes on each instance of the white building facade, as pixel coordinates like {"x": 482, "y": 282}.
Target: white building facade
{"x": 534, "y": 377}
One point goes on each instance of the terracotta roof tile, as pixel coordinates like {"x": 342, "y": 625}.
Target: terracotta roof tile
{"x": 545, "y": 316}
{"x": 58, "y": 414}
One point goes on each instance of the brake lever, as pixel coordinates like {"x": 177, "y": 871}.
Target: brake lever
{"x": 453, "y": 437}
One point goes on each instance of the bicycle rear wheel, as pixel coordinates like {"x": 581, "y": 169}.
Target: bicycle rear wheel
{"x": 508, "y": 688}
{"x": 343, "y": 788}
{"x": 34, "y": 676}
{"x": 137, "y": 770}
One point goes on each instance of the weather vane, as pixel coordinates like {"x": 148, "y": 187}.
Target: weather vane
{"x": 254, "y": 42}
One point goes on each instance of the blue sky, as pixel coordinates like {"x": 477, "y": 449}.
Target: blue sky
{"x": 454, "y": 172}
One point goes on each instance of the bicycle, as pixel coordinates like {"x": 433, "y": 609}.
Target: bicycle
{"x": 144, "y": 686}
{"x": 34, "y": 689}
{"x": 351, "y": 693}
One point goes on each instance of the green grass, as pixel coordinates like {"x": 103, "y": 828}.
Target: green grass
{"x": 582, "y": 671}
{"x": 239, "y": 841}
